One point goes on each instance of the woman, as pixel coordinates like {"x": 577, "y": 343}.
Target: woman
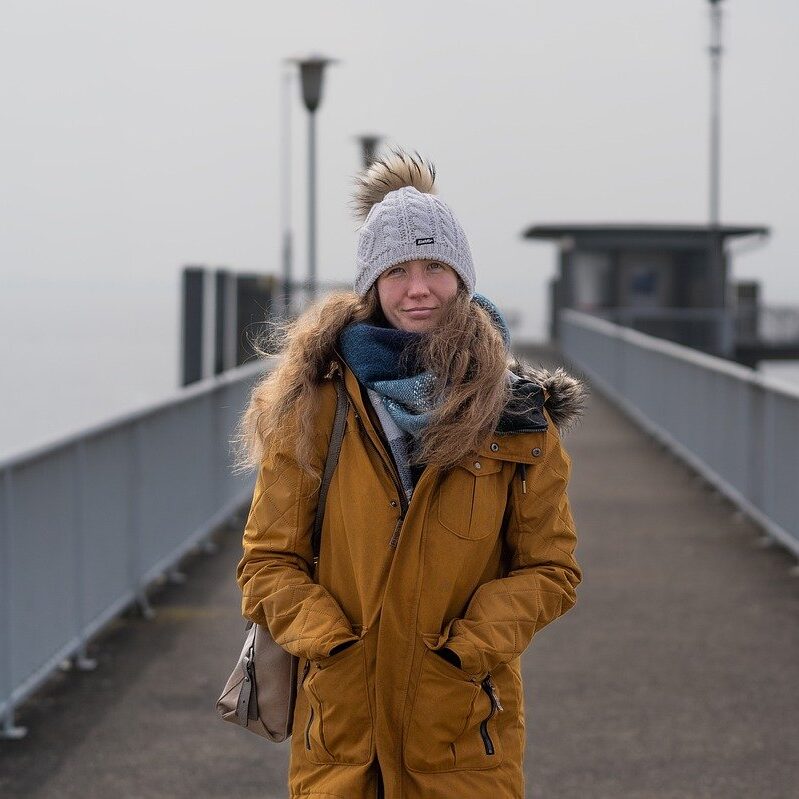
{"x": 447, "y": 542}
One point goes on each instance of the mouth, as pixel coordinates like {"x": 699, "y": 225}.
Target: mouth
{"x": 418, "y": 310}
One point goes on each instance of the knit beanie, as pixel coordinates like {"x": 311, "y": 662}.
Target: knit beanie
{"x": 404, "y": 220}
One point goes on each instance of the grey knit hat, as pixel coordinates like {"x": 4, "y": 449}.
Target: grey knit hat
{"x": 404, "y": 220}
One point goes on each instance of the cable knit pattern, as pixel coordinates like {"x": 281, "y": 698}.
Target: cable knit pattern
{"x": 409, "y": 225}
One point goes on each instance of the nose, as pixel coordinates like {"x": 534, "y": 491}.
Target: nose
{"x": 417, "y": 286}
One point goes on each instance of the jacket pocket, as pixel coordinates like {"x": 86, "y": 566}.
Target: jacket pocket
{"x": 471, "y": 499}
{"x": 453, "y": 721}
{"x": 339, "y": 723}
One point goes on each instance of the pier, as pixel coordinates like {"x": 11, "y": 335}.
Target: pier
{"x": 673, "y": 676}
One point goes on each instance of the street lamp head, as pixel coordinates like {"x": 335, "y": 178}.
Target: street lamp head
{"x": 311, "y": 73}
{"x": 369, "y": 142}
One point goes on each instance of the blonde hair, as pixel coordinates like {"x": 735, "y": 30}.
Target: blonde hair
{"x": 465, "y": 352}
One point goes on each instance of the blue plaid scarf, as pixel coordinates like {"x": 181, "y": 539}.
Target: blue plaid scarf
{"x": 399, "y": 390}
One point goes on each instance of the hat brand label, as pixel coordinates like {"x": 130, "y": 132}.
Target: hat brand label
{"x": 424, "y": 241}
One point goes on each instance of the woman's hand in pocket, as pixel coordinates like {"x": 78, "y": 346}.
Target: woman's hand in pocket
{"x": 449, "y": 656}
{"x": 341, "y": 647}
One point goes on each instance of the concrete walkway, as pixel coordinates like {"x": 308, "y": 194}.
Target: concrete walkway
{"x": 674, "y": 677}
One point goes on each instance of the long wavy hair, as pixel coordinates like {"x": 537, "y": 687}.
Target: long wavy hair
{"x": 465, "y": 352}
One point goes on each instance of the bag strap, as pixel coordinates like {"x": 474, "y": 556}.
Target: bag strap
{"x": 339, "y": 424}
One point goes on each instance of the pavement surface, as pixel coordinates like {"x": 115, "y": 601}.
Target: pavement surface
{"x": 674, "y": 677}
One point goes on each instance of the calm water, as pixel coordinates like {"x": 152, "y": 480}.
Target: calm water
{"x": 73, "y": 355}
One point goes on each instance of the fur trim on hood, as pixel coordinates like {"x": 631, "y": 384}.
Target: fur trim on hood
{"x": 563, "y": 395}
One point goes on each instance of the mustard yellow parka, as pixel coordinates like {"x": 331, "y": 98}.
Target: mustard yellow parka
{"x": 480, "y": 560}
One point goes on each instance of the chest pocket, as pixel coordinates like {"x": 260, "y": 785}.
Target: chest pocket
{"x": 471, "y": 498}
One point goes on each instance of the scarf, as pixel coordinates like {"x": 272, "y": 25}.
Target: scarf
{"x": 401, "y": 393}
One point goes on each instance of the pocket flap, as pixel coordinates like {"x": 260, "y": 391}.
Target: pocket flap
{"x": 480, "y": 464}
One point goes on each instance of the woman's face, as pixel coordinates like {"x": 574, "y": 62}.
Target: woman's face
{"x": 413, "y": 293}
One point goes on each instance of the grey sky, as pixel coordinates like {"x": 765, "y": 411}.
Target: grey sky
{"x": 138, "y": 137}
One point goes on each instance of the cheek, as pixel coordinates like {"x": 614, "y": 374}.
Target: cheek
{"x": 386, "y": 296}
{"x": 448, "y": 286}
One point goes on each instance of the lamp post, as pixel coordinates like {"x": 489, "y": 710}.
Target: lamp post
{"x": 369, "y": 142}
{"x": 715, "y": 51}
{"x": 311, "y": 74}
{"x": 724, "y": 343}
{"x": 285, "y": 187}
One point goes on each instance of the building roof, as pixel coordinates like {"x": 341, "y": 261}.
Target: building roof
{"x": 639, "y": 232}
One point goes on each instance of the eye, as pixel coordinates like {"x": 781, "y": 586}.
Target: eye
{"x": 435, "y": 265}
{"x": 395, "y": 270}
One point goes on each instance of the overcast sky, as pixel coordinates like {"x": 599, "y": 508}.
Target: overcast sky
{"x": 140, "y": 137}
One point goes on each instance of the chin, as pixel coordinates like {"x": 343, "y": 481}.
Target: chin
{"x": 415, "y": 325}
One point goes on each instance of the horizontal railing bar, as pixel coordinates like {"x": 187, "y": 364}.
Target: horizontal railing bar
{"x": 680, "y": 352}
{"x": 179, "y": 397}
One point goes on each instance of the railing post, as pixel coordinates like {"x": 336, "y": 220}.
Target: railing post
{"x": 8, "y": 729}
{"x": 80, "y": 659}
{"x": 756, "y": 431}
{"x": 135, "y": 500}
{"x": 217, "y": 452}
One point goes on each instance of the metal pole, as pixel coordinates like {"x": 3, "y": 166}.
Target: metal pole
{"x": 715, "y": 50}
{"x": 311, "y": 206}
{"x": 312, "y": 74}
{"x": 723, "y": 344}
{"x": 285, "y": 182}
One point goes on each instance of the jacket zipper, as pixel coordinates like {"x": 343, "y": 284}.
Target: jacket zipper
{"x": 308, "y": 730}
{"x": 394, "y": 479}
{"x": 491, "y": 689}
{"x": 523, "y": 470}
{"x": 310, "y": 706}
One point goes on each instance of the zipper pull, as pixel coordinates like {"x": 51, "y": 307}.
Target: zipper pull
{"x": 494, "y": 693}
{"x": 523, "y": 469}
{"x": 306, "y": 668}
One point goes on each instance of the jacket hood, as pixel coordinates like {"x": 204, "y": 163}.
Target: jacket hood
{"x": 562, "y": 394}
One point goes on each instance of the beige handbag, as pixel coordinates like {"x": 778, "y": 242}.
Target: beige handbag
{"x": 261, "y": 691}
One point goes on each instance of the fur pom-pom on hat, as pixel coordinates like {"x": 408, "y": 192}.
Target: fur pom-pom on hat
{"x": 404, "y": 220}
{"x": 393, "y": 171}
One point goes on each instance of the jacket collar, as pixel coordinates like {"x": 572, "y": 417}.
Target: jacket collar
{"x": 353, "y": 389}
{"x": 518, "y": 435}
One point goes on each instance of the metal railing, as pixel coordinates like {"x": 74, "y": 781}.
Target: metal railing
{"x": 737, "y": 428}
{"x": 87, "y": 523}
{"x": 773, "y": 324}
{"x": 697, "y": 327}
{"x": 706, "y": 329}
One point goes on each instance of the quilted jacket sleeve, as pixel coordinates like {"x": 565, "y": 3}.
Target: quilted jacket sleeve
{"x": 504, "y": 614}
{"x": 275, "y": 572}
